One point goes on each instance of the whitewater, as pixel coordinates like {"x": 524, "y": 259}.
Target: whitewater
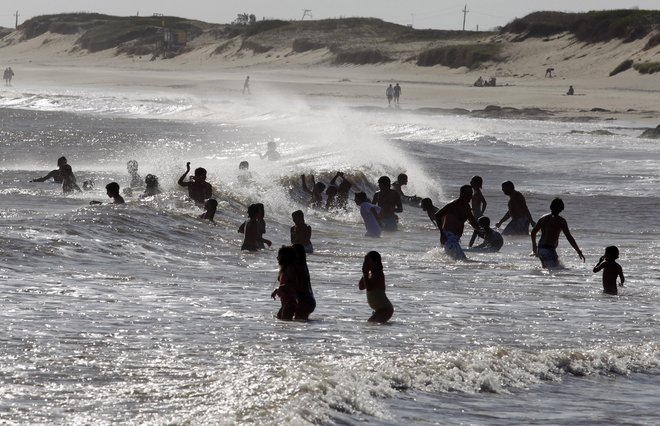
{"x": 144, "y": 314}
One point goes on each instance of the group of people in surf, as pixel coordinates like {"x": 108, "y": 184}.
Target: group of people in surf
{"x": 379, "y": 215}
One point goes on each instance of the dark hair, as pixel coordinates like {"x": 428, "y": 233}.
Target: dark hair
{"x": 243, "y": 165}
{"x": 426, "y": 204}
{"x": 319, "y": 186}
{"x": 612, "y": 251}
{"x": 508, "y": 184}
{"x": 211, "y": 204}
{"x": 200, "y": 171}
{"x": 253, "y": 210}
{"x": 402, "y": 177}
{"x": 556, "y": 206}
{"x": 61, "y": 161}
{"x": 301, "y": 256}
{"x": 484, "y": 221}
{"x": 286, "y": 256}
{"x": 375, "y": 257}
{"x": 151, "y": 180}
{"x": 360, "y": 197}
{"x": 66, "y": 169}
{"x": 464, "y": 189}
{"x": 332, "y": 190}
{"x": 478, "y": 181}
{"x": 384, "y": 180}
{"x": 298, "y": 214}
{"x": 261, "y": 208}
{"x": 113, "y": 188}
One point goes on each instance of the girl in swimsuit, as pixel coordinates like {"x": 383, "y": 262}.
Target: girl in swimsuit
{"x": 288, "y": 279}
{"x": 373, "y": 280}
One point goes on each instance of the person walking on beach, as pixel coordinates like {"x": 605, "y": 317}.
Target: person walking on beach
{"x": 551, "y": 225}
{"x": 390, "y": 201}
{"x": 373, "y": 280}
{"x": 451, "y": 220}
{"x": 56, "y": 174}
{"x": 8, "y": 75}
{"x": 396, "y": 92}
{"x": 246, "y": 85}
{"x": 518, "y": 212}
{"x": 389, "y": 92}
{"x": 611, "y": 270}
{"x": 199, "y": 190}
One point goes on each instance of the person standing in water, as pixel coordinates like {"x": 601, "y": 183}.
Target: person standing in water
{"x": 551, "y": 225}
{"x": 112, "y": 190}
{"x": 199, "y": 190}
{"x": 451, "y": 220}
{"x": 373, "y": 280}
{"x": 518, "y": 212}
{"x": 288, "y": 278}
{"x": 478, "y": 203}
{"x": 56, "y": 174}
{"x": 301, "y": 233}
{"x": 390, "y": 201}
{"x": 611, "y": 270}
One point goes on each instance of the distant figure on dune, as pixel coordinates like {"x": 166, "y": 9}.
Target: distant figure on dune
{"x": 373, "y": 280}
{"x": 397, "y": 94}
{"x": 271, "y": 152}
{"x": 571, "y": 91}
{"x": 551, "y": 225}
{"x": 56, "y": 174}
{"x": 548, "y": 72}
{"x": 518, "y": 212}
{"x": 8, "y": 75}
{"x": 246, "y": 85}
{"x": 389, "y": 92}
{"x": 451, "y": 219}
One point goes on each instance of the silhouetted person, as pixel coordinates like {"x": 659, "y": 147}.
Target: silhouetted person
{"x": 136, "y": 179}
{"x": 518, "y": 212}
{"x": 571, "y": 91}
{"x": 551, "y": 225}
{"x": 246, "y": 85}
{"x": 112, "y": 190}
{"x": 68, "y": 180}
{"x": 56, "y": 174}
{"x": 611, "y": 270}
{"x": 451, "y": 219}
{"x": 316, "y": 191}
{"x": 478, "y": 203}
{"x": 493, "y": 241}
{"x": 8, "y": 75}
{"x": 430, "y": 209}
{"x": 151, "y": 186}
{"x": 199, "y": 189}
{"x": 396, "y": 92}
{"x": 389, "y": 92}
{"x": 343, "y": 190}
{"x": 271, "y": 152}
{"x": 306, "y": 303}
{"x": 288, "y": 278}
{"x": 390, "y": 201}
{"x": 301, "y": 233}
{"x": 210, "y": 207}
{"x": 373, "y": 280}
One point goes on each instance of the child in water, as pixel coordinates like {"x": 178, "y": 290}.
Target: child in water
{"x": 611, "y": 270}
{"x": 301, "y": 233}
{"x": 151, "y": 186}
{"x": 210, "y": 207}
{"x": 68, "y": 180}
{"x": 493, "y": 240}
{"x": 288, "y": 279}
{"x": 112, "y": 189}
{"x": 373, "y": 280}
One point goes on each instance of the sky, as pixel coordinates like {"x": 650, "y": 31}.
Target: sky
{"x": 437, "y": 14}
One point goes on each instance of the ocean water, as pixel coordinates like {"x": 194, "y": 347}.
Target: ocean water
{"x": 144, "y": 314}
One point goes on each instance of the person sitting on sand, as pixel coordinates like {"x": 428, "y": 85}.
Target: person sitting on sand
{"x": 56, "y": 174}
{"x": 199, "y": 190}
{"x": 430, "y": 209}
{"x": 373, "y": 280}
{"x": 151, "y": 186}
{"x": 390, "y": 201}
{"x": 271, "y": 152}
{"x": 571, "y": 91}
{"x": 451, "y": 219}
{"x": 301, "y": 233}
{"x": 611, "y": 270}
{"x": 68, "y": 180}
{"x": 518, "y": 212}
{"x": 493, "y": 241}
{"x": 479, "y": 82}
{"x": 210, "y": 207}
{"x": 370, "y": 215}
{"x": 316, "y": 191}
{"x": 551, "y": 225}
{"x": 288, "y": 279}
{"x": 112, "y": 189}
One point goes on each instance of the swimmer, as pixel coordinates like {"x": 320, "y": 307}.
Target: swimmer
{"x": 316, "y": 191}
{"x": 253, "y": 230}
{"x": 390, "y": 201}
{"x": 343, "y": 190}
{"x": 401, "y": 181}
{"x": 244, "y": 174}
{"x": 611, "y": 270}
{"x": 136, "y": 180}
{"x": 370, "y": 215}
{"x": 306, "y": 303}
{"x": 430, "y": 209}
{"x": 199, "y": 190}
{"x": 451, "y": 219}
{"x": 478, "y": 203}
{"x": 68, "y": 180}
{"x": 518, "y": 212}
{"x": 151, "y": 186}
{"x": 56, "y": 174}
{"x": 288, "y": 279}
{"x": 271, "y": 152}
{"x": 210, "y": 206}
{"x": 112, "y": 189}
{"x": 493, "y": 241}
{"x": 301, "y": 233}
{"x": 373, "y": 280}
{"x": 551, "y": 225}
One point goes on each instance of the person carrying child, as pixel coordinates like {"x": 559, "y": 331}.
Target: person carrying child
{"x": 611, "y": 270}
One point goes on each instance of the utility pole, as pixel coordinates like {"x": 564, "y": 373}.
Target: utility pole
{"x": 306, "y": 12}
{"x": 465, "y": 12}
{"x": 17, "y": 19}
